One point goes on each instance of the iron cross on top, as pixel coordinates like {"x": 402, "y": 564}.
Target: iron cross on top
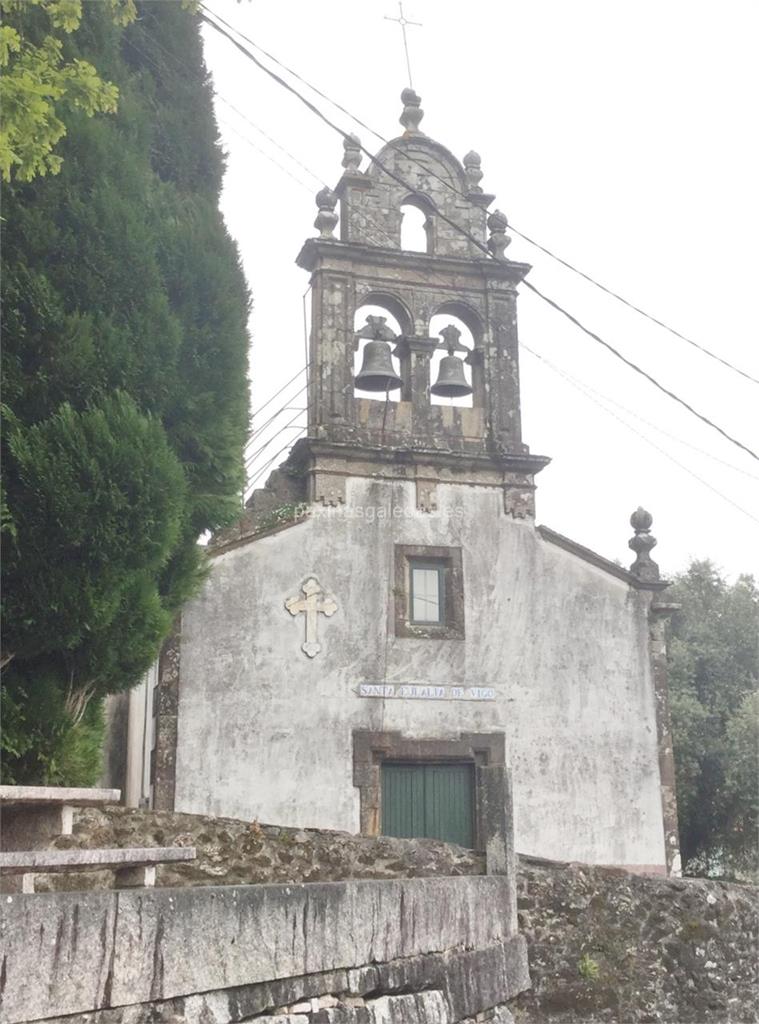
{"x": 403, "y": 22}
{"x": 311, "y": 605}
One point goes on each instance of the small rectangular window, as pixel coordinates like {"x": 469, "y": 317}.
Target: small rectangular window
{"x": 427, "y": 592}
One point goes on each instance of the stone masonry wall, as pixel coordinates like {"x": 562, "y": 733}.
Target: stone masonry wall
{"x": 315, "y": 953}
{"x": 605, "y": 946}
{"x": 608, "y": 946}
{"x": 231, "y": 852}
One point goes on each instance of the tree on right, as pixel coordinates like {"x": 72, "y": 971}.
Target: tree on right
{"x": 714, "y": 701}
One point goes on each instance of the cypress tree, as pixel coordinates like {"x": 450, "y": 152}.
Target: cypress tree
{"x": 125, "y": 390}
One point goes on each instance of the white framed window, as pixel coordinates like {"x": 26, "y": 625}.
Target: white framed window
{"x": 427, "y": 586}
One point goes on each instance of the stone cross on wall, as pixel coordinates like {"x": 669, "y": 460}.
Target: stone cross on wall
{"x": 311, "y": 605}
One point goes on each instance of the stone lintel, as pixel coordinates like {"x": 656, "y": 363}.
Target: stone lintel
{"x": 416, "y": 344}
{"x": 484, "y": 750}
{"x": 318, "y": 250}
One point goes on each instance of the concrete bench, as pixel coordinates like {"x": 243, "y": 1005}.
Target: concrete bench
{"x": 133, "y": 867}
{"x": 30, "y": 816}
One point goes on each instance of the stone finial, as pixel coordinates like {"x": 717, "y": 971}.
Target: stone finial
{"x": 412, "y": 112}
{"x": 326, "y": 218}
{"x": 351, "y": 153}
{"x": 499, "y": 240}
{"x": 644, "y": 567}
{"x": 473, "y": 169}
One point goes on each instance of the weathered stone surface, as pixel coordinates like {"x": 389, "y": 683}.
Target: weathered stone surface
{"x": 18, "y": 861}
{"x": 608, "y": 946}
{"x": 148, "y": 945}
{"x": 414, "y": 1008}
{"x": 46, "y": 795}
{"x": 605, "y": 946}
{"x": 241, "y": 853}
{"x": 56, "y": 956}
{"x": 578, "y": 717}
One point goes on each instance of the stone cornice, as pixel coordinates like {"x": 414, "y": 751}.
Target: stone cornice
{"x": 316, "y": 250}
{"x": 461, "y": 462}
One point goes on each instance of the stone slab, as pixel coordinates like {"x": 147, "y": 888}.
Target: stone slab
{"x": 56, "y": 958}
{"x": 17, "y": 862}
{"x": 77, "y": 797}
{"x": 472, "y": 982}
{"x": 77, "y": 952}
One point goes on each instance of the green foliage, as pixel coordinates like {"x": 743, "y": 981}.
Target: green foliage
{"x": 588, "y": 968}
{"x": 38, "y": 86}
{"x": 714, "y": 675}
{"x": 103, "y": 489}
{"x": 39, "y": 740}
{"x": 124, "y": 368}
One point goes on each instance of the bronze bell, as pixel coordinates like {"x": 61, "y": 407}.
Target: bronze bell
{"x": 377, "y": 372}
{"x": 451, "y": 381}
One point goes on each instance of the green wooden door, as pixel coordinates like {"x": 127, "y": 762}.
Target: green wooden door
{"x": 433, "y": 801}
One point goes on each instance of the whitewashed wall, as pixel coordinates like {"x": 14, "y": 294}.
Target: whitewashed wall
{"x": 266, "y": 732}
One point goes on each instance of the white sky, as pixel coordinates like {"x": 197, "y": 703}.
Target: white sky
{"x": 622, "y": 137}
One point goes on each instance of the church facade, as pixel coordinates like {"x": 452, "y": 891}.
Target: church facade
{"x": 387, "y": 630}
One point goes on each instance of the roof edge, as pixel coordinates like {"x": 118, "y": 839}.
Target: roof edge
{"x": 593, "y": 558}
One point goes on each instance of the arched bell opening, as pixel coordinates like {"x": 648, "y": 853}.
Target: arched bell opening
{"x": 451, "y": 365}
{"x": 417, "y": 226}
{"x": 376, "y": 331}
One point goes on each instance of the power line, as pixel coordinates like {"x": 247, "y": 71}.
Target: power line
{"x": 643, "y": 437}
{"x": 571, "y": 380}
{"x": 278, "y": 393}
{"x": 447, "y": 184}
{"x": 273, "y": 141}
{"x": 362, "y": 215}
{"x": 252, "y": 458}
{"x": 266, "y": 155}
{"x": 254, "y": 455}
{"x": 638, "y": 369}
{"x": 475, "y": 241}
{"x": 287, "y": 408}
{"x": 273, "y": 459}
{"x": 631, "y": 305}
{"x": 584, "y": 386}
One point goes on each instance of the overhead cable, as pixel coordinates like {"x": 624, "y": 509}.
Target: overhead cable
{"x": 631, "y": 305}
{"x": 475, "y": 241}
{"x": 278, "y": 393}
{"x": 447, "y": 184}
{"x": 273, "y": 459}
{"x": 643, "y": 436}
{"x": 638, "y": 369}
{"x": 584, "y": 386}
